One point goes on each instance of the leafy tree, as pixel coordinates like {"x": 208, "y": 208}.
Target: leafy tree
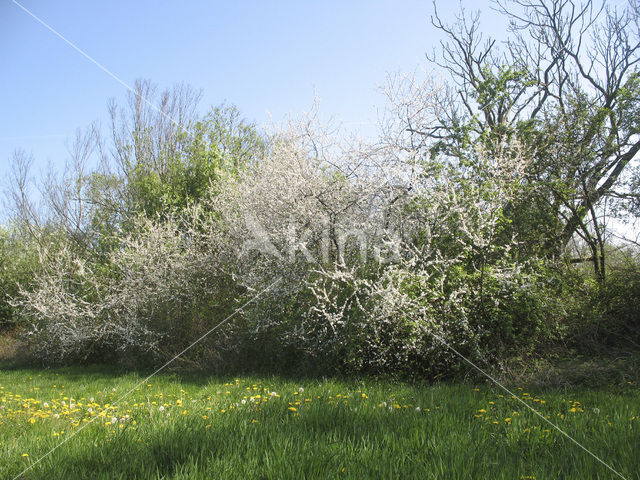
{"x": 167, "y": 159}
{"x": 566, "y": 85}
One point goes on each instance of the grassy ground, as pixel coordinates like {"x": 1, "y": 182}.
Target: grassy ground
{"x": 204, "y": 427}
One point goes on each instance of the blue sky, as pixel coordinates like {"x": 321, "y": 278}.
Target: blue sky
{"x": 264, "y": 57}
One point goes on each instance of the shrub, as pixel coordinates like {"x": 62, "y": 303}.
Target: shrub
{"x": 18, "y": 260}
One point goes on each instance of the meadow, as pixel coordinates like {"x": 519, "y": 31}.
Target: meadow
{"x": 274, "y": 427}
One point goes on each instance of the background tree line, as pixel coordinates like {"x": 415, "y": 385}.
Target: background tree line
{"x": 478, "y": 218}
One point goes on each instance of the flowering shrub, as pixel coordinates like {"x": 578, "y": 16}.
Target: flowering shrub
{"x": 382, "y": 261}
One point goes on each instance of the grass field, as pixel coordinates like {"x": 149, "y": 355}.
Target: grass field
{"x": 212, "y": 427}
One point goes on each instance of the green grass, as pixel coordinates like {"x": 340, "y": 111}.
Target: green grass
{"x": 339, "y": 429}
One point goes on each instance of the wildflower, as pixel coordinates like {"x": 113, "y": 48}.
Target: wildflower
{"x": 243, "y": 401}
{"x": 417, "y": 409}
{"x": 273, "y": 394}
{"x": 114, "y": 420}
{"x": 25, "y": 455}
{"x": 301, "y": 389}
{"x": 293, "y": 409}
{"x": 161, "y": 408}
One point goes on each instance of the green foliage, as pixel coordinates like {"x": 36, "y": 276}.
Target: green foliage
{"x": 167, "y": 252}
{"x": 609, "y": 314}
{"x": 220, "y": 143}
{"x": 538, "y": 88}
{"x": 18, "y": 262}
{"x": 518, "y": 313}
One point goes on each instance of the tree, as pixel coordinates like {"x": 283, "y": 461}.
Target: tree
{"x": 566, "y": 85}
{"x": 165, "y": 158}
